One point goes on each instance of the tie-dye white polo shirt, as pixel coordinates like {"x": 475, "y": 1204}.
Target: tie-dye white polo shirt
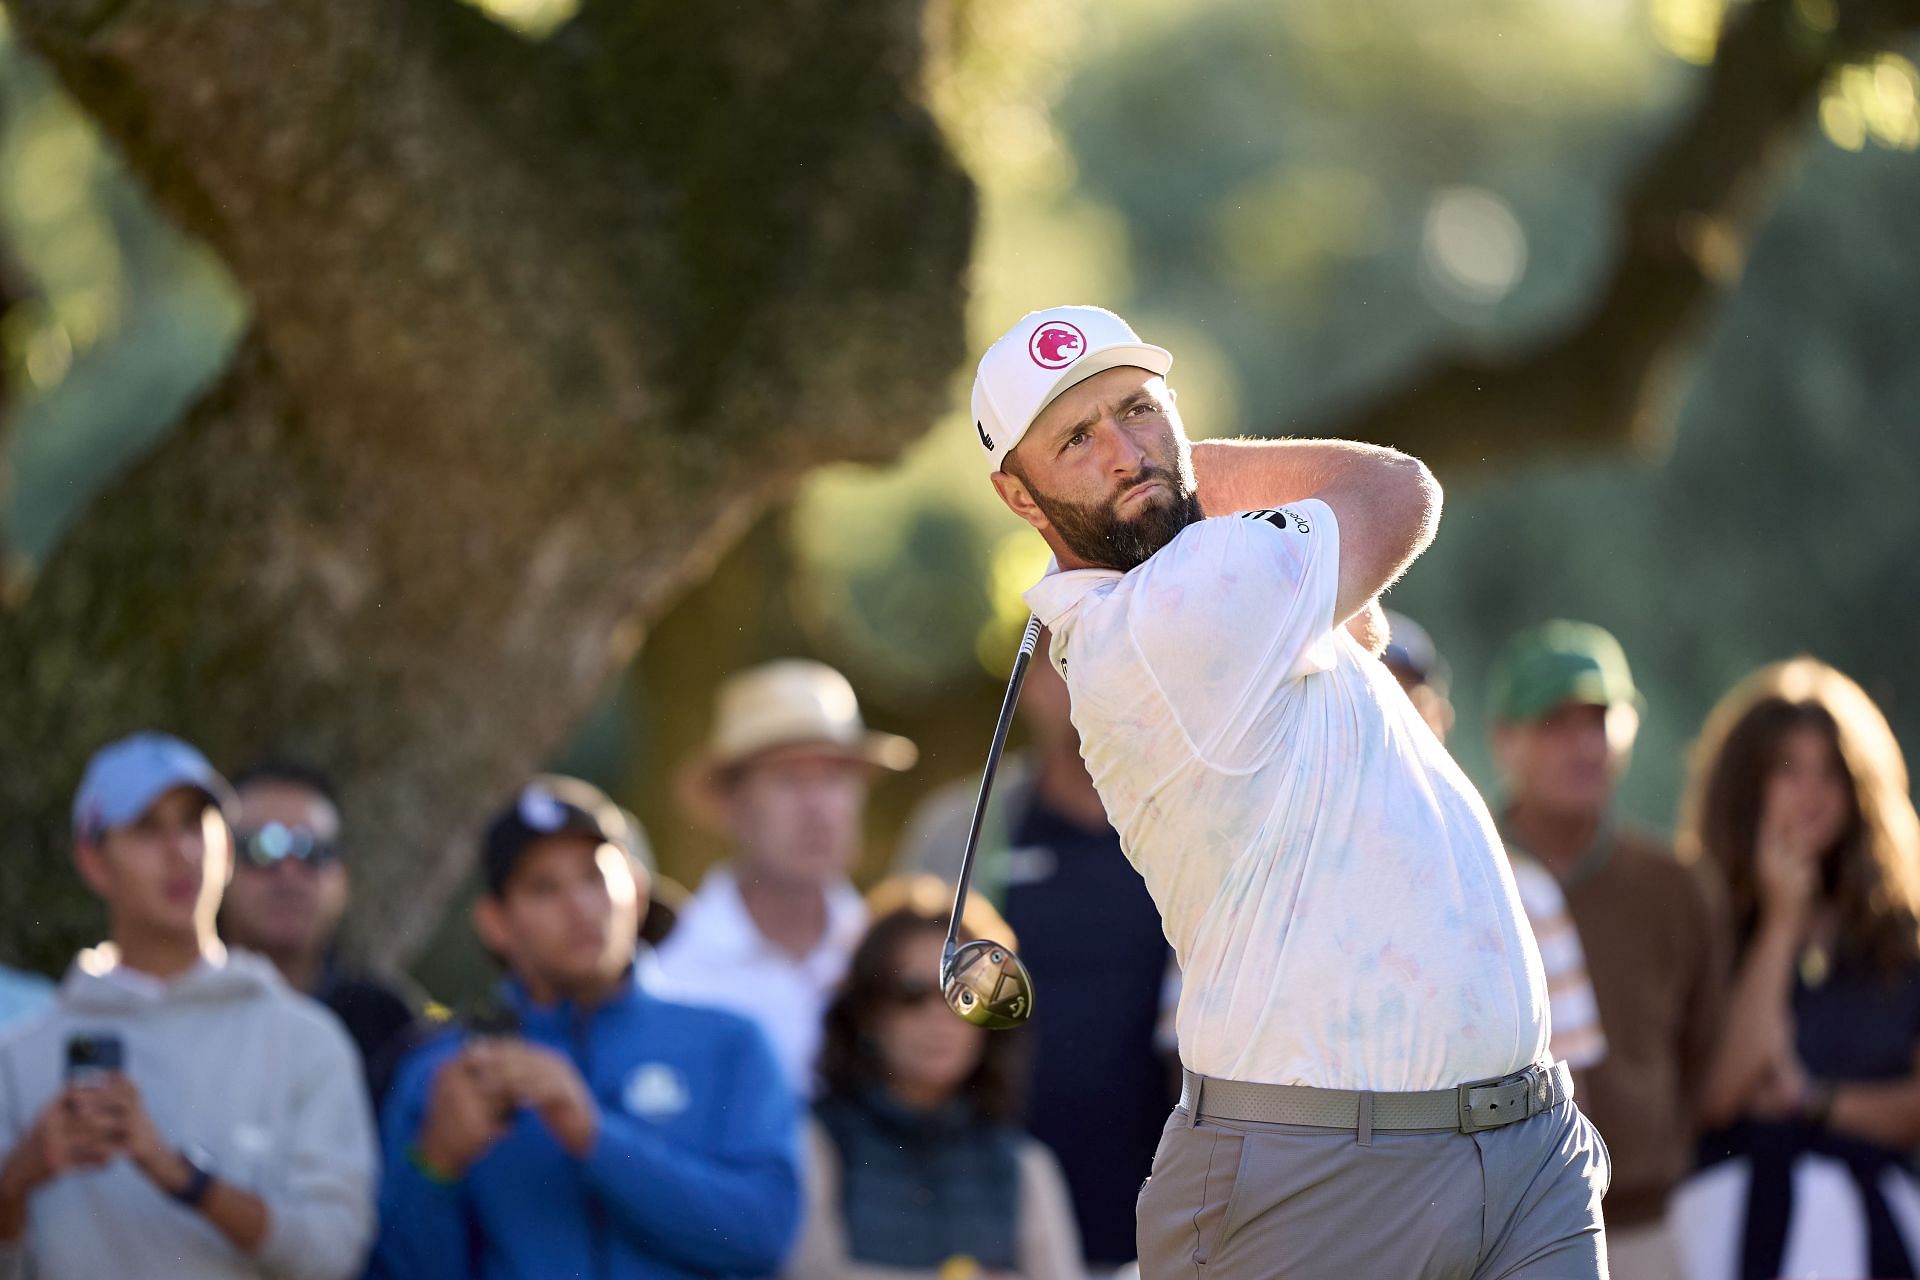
{"x": 1332, "y": 884}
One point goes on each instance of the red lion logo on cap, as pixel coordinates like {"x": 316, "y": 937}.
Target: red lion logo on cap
{"x": 1056, "y": 345}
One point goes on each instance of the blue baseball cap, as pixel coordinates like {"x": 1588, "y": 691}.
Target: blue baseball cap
{"x": 125, "y": 777}
{"x": 1411, "y": 649}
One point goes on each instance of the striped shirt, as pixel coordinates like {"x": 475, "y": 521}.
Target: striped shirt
{"x": 1576, "y": 1035}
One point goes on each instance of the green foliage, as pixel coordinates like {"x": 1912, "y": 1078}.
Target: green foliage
{"x": 1253, "y": 185}
{"x": 1331, "y": 190}
{"x": 1302, "y": 200}
{"x": 1784, "y": 521}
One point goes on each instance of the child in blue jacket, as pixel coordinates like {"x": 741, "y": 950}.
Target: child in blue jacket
{"x": 614, "y": 1135}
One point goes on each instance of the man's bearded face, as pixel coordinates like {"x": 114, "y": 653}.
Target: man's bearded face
{"x": 1100, "y": 534}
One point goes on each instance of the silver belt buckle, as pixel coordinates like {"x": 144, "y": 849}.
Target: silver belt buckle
{"x": 1490, "y": 1104}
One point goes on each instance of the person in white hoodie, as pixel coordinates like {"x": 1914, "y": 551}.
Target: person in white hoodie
{"x": 180, "y": 1112}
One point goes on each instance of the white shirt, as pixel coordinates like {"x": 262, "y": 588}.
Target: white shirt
{"x": 717, "y": 956}
{"x": 1332, "y": 885}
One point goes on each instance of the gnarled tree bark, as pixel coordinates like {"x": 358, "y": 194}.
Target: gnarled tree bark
{"x": 536, "y": 330}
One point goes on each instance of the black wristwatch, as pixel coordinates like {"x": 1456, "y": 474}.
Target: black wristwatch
{"x": 199, "y": 1178}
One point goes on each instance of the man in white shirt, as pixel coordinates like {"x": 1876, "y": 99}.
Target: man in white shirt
{"x": 785, "y": 777}
{"x": 1364, "y": 1016}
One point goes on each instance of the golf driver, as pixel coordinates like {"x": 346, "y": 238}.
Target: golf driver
{"x": 983, "y": 981}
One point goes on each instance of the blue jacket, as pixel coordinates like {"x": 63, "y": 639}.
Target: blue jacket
{"x": 695, "y": 1172}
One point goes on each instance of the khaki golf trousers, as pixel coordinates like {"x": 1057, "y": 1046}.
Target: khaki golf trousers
{"x": 1247, "y": 1201}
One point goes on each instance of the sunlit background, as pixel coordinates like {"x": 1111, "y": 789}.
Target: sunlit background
{"x": 1302, "y": 201}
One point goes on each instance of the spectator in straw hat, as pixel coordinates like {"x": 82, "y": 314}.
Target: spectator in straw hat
{"x": 784, "y": 778}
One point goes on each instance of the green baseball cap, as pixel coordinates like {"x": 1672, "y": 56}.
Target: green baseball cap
{"x": 1556, "y": 663}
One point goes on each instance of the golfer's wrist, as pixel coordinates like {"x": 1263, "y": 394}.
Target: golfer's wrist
{"x": 1220, "y": 479}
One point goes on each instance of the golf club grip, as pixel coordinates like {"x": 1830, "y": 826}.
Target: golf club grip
{"x": 1028, "y": 641}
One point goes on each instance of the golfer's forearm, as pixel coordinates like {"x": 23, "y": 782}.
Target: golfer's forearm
{"x": 1386, "y": 503}
{"x": 1243, "y": 475}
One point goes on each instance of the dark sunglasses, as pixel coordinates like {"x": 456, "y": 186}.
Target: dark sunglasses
{"x": 277, "y": 842}
{"x": 908, "y": 991}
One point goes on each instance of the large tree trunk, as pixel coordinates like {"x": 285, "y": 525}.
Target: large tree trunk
{"x": 536, "y": 329}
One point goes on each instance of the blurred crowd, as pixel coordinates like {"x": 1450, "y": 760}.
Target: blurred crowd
{"x": 761, "y": 1078}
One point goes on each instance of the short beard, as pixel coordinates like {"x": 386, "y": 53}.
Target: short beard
{"x": 1097, "y": 534}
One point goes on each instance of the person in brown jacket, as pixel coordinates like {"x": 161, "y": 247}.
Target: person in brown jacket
{"x": 1564, "y": 713}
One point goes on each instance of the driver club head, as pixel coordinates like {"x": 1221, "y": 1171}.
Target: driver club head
{"x": 986, "y": 984}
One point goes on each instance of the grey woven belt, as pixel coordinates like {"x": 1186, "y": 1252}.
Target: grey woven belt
{"x": 1467, "y": 1108}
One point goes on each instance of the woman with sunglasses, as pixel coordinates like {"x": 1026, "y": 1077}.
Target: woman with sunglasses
{"x": 917, "y": 1166}
{"x": 1799, "y": 797}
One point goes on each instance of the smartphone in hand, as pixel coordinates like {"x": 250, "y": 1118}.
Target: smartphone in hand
{"x": 92, "y": 1056}
{"x": 496, "y": 1022}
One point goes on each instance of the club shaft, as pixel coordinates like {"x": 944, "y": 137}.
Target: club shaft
{"x": 1029, "y": 639}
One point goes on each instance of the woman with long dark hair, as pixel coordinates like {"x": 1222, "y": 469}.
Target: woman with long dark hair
{"x": 916, "y": 1164}
{"x": 1799, "y": 797}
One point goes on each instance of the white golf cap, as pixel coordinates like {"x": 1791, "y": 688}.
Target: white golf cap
{"x": 1043, "y": 355}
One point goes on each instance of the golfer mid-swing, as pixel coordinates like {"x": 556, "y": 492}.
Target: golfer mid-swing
{"x": 1363, "y": 1019}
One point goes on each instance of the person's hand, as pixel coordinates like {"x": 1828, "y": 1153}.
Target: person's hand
{"x": 116, "y": 1115}
{"x": 1783, "y": 1091}
{"x": 549, "y": 1085}
{"x": 59, "y": 1142}
{"x": 1786, "y": 865}
{"x": 468, "y": 1110}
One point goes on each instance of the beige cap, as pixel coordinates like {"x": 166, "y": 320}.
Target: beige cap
{"x": 794, "y": 702}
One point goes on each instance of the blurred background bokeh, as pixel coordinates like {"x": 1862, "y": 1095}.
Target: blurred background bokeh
{"x": 1305, "y": 202}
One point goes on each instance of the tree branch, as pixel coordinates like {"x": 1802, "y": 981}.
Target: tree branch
{"x": 1602, "y": 384}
